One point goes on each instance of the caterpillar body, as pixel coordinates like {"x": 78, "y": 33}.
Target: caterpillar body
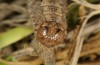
{"x": 51, "y": 31}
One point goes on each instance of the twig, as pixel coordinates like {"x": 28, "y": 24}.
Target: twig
{"x": 8, "y": 9}
{"x": 20, "y": 2}
{"x": 92, "y": 63}
{"x": 23, "y": 52}
{"x": 92, "y": 6}
{"x": 92, "y": 29}
{"x": 38, "y": 62}
{"x": 79, "y": 40}
{"x": 13, "y": 21}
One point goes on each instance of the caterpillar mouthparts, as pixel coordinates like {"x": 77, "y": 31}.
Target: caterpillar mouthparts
{"x": 50, "y": 34}
{"x": 51, "y": 30}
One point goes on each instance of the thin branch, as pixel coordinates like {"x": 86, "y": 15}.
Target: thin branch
{"x": 8, "y": 9}
{"x": 84, "y": 3}
{"x": 79, "y": 40}
{"x": 94, "y": 28}
{"x": 23, "y": 52}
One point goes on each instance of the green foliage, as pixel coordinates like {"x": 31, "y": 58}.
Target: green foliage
{"x": 73, "y": 15}
{"x": 14, "y": 35}
{"x": 10, "y": 58}
{"x": 93, "y": 1}
{"x": 2, "y": 63}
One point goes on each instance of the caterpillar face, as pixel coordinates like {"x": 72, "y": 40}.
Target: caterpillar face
{"x": 50, "y": 33}
{"x": 51, "y": 24}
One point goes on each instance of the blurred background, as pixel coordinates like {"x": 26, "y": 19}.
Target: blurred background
{"x": 16, "y": 36}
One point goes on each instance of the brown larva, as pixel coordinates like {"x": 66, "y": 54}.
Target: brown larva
{"x": 50, "y": 33}
{"x": 52, "y": 30}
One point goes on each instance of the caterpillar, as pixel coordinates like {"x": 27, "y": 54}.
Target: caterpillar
{"x": 51, "y": 31}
